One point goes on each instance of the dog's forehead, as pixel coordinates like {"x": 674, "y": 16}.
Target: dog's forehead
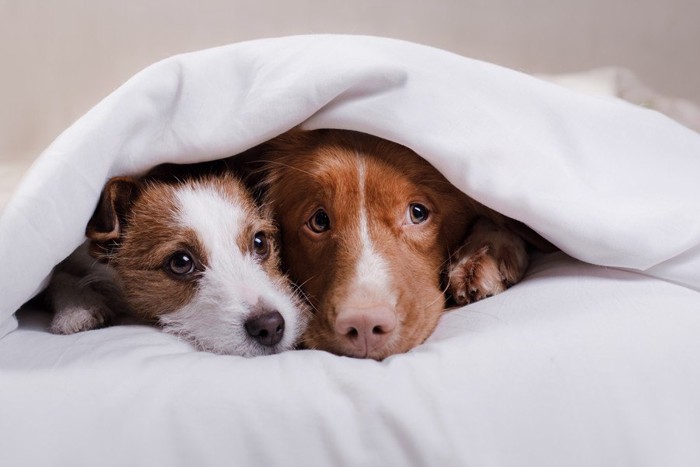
{"x": 385, "y": 168}
{"x": 208, "y": 210}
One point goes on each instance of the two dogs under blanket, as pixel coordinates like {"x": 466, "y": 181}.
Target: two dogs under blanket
{"x": 374, "y": 240}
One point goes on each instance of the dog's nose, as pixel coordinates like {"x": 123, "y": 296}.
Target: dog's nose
{"x": 365, "y": 329}
{"x": 267, "y": 328}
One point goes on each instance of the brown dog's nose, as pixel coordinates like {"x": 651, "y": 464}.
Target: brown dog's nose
{"x": 267, "y": 328}
{"x": 365, "y": 329}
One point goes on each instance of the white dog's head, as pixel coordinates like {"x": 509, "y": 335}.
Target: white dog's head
{"x": 200, "y": 258}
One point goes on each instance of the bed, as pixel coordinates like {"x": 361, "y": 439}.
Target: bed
{"x": 593, "y": 359}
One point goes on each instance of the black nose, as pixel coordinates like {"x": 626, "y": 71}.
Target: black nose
{"x": 267, "y": 328}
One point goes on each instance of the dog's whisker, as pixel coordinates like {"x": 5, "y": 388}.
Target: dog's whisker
{"x": 298, "y": 288}
{"x": 440, "y": 296}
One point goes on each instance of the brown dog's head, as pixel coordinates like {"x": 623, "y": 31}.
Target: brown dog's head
{"x": 366, "y": 228}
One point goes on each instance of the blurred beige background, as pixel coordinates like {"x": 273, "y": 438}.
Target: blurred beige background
{"x": 60, "y": 57}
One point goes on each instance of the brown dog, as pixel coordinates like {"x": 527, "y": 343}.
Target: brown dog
{"x": 371, "y": 231}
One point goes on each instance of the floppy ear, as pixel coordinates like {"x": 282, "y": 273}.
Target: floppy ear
{"x": 107, "y": 224}
{"x": 251, "y": 166}
{"x": 256, "y": 165}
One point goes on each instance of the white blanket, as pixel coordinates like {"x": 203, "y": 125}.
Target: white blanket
{"x": 579, "y": 364}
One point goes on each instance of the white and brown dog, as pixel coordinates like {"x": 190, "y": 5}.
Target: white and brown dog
{"x": 195, "y": 255}
{"x": 375, "y": 236}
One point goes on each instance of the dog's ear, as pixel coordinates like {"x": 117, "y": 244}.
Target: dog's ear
{"x": 252, "y": 167}
{"x": 105, "y": 228}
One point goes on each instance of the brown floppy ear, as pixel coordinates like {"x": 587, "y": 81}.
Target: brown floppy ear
{"x": 257, "y": 164}
{"x": 107, "y": 224}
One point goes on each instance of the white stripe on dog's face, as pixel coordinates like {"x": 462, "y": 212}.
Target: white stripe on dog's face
{"x": 371, "y": 271}
{"x": 217, "y": 222}
{"x": 371, "y": 282}
{"x": 234, "y": 283}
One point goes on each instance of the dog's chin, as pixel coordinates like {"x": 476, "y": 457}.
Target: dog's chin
{"x": 253, "y": 349}
{"x": 236, "y": 342}
{"x": 407, "y": 336}
{"x": 316, "y": 342}
{"x": 378, "y": 354}
{"x": 248, "y": 348}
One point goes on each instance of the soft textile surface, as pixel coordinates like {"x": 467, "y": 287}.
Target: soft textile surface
{"x": 623, "y": 83}
{"x": 608, "y": 182}
{"x": 578, "y": 365}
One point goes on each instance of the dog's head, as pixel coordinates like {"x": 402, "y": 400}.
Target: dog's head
{"x": 366, "y": 228}
{"x": 200, "y": 258}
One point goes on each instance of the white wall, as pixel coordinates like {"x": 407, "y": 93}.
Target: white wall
{"x": 58, "y": 58}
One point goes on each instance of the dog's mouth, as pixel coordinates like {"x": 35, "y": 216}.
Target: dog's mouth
{"x": 352, "y": 344}
{"x": 376, "y": 341}
{"x": 251, "y": 347}
{"x": 258, "y": 332}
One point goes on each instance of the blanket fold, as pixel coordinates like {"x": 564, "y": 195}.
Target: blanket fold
{"x": 608, "y": 182}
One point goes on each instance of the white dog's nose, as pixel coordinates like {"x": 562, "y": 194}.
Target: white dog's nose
{"x": 267, "y": 327}
{"x": 365, "y": 329}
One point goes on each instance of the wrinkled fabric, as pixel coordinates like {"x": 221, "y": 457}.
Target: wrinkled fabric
{"x": 592, "y": 360}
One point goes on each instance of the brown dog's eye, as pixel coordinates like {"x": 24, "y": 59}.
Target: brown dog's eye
{"x": 417, "y": 213}
{"x": 180, "y": 264}
{"x": 261, "y": 247}
{"x": 319, "y": 222}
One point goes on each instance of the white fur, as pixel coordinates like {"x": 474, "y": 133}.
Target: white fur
{"x": 371, "y": 283}
{"x": 233, "y": 286}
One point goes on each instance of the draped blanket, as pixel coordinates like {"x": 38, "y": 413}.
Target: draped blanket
{"x": 609, "y": 183}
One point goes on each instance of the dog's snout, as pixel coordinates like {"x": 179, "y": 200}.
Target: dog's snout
{"x": 267, "y": 328}
{"x": 367, "y": 329}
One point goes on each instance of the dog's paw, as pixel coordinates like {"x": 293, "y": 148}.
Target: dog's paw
{"x": 474, "y": 277}
{"x": 70, "y": 320}
{"x": 491, "y": 260}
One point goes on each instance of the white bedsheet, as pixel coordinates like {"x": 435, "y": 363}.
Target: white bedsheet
{"x": 576, "y": 366}
{"x": 580, "y": 364}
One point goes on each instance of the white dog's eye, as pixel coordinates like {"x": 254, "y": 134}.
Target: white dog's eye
{"x": 261, "y": 246}
{"x": 180, "y": 264}
{"x": 417, "y": 213}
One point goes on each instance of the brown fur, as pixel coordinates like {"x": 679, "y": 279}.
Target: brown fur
{"x": 308, "y": 170}
{"x": 186, "y": 248}
{"x": 142, "y": 236}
